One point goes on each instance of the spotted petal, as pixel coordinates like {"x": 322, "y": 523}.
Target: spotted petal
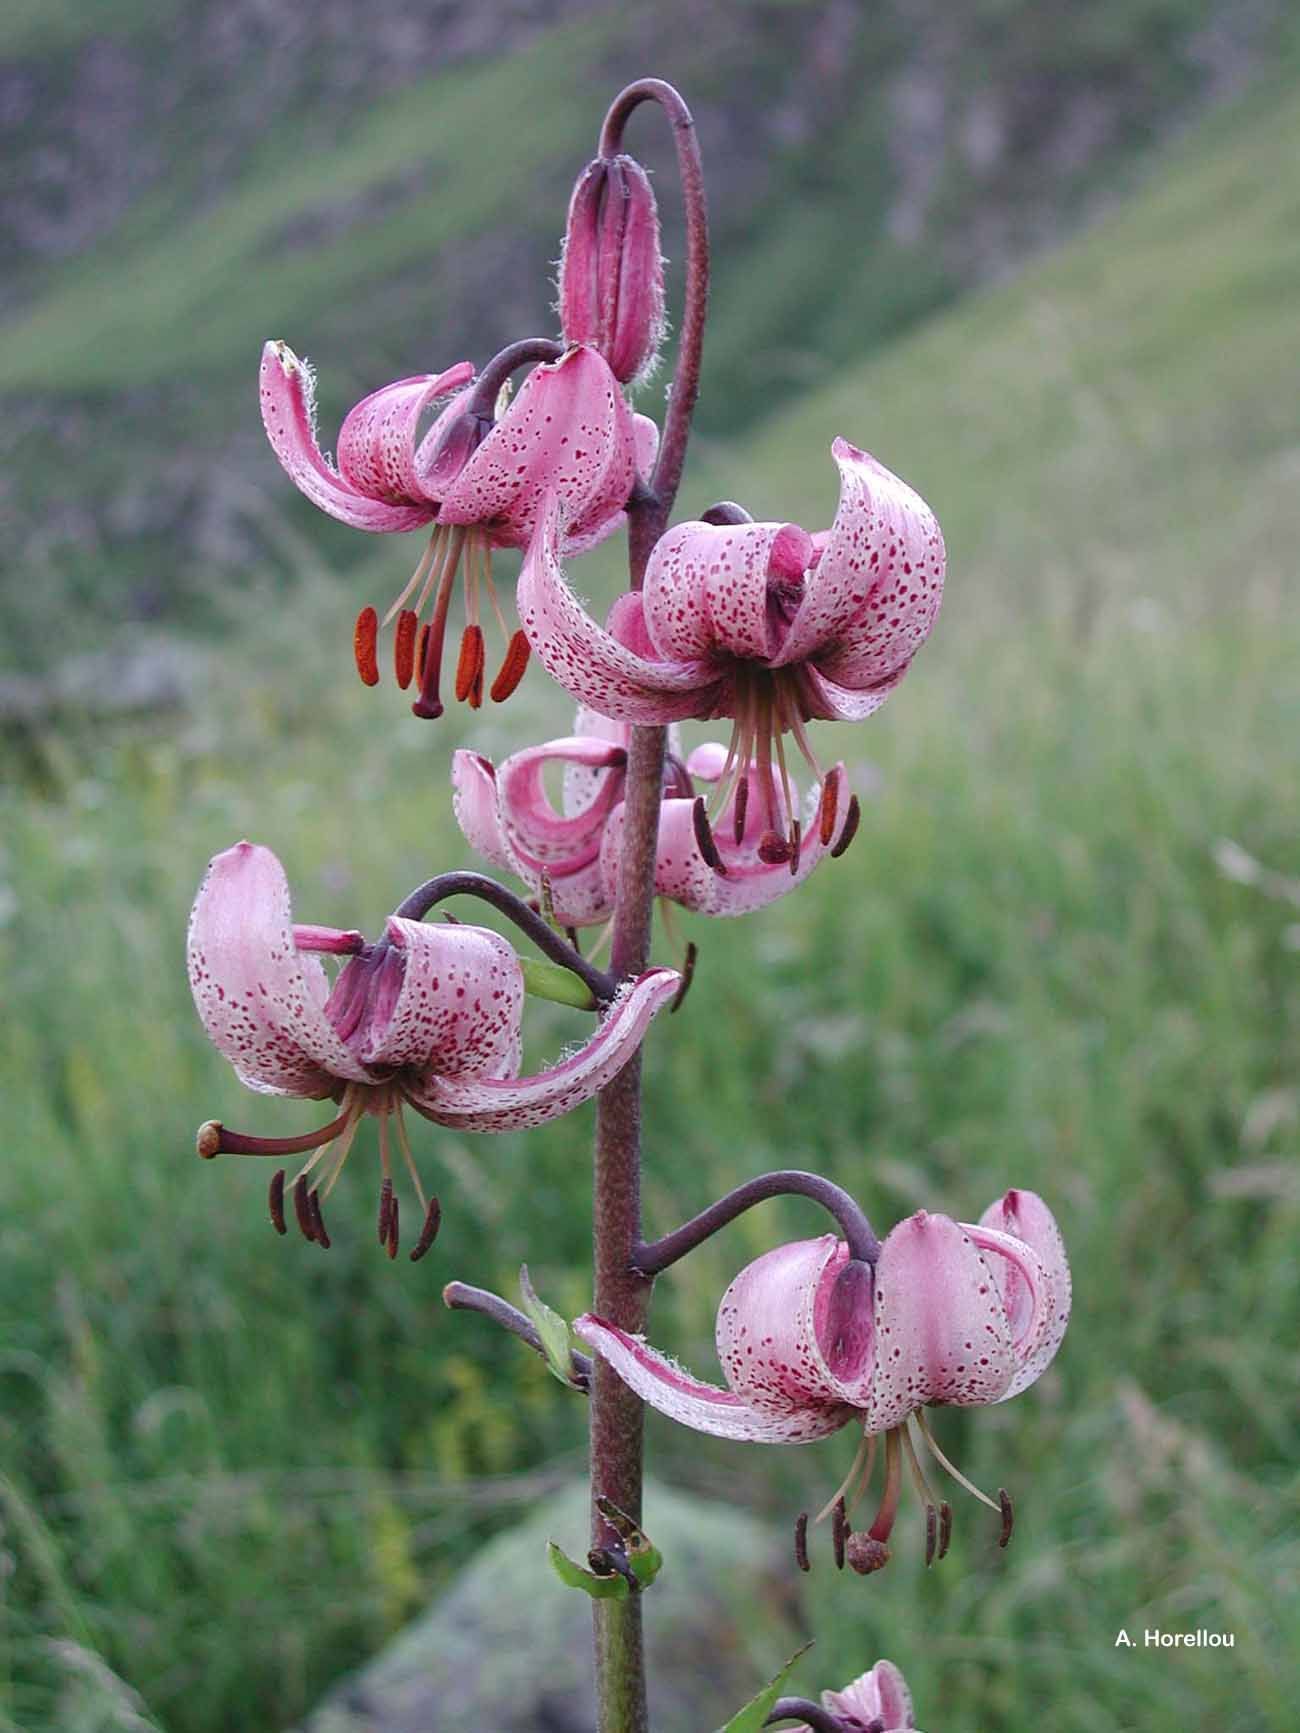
{"x": 1024, "y": 1215}
{"x": 377, "y": 440}
{"x": 261, "y": 1000}
{"x": 664, "y": 1385}
{"x": 460, "y": 1005}
{"x": 478, "y": 1103}
{"x": 872, "y": 596}
{"x": 590, "y": 663}
{"x": 794, "y": 1328}
{"x": 568, "y": 431}
{"x": 707, "y": 588}
{"x": 942, "y": 1333}
{"x": 287, "y": 391}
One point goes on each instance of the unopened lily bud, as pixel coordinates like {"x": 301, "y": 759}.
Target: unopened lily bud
{"x": 611, "y": 270}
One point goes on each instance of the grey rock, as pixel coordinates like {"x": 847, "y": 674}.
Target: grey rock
{"x": 507, "y": 1649}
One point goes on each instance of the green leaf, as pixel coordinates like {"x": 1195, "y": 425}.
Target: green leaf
{"x": 552, "y": 1329}
{"x": 643, "y": 1555}
{"x": 752, "y": 1716}
{"x": 576, "y": 1576}
{"x": 551, "y": 981}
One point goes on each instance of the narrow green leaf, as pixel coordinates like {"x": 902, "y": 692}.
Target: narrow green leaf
{"x": 551, "y": 1327}
{"x": 752, "y": 1716}
{"x": 576, "y": 1576}
{"x": 545, "y": 980}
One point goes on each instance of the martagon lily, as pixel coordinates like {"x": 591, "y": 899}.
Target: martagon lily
{"x": 479, "y": 479}
{"x": 760, "y": 622}
{"x": 811, "y": 1340}
{"x": 506, "y": 814}
{"x": 429, "y": 1016}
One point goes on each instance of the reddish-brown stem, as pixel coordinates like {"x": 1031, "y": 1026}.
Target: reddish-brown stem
{"x": 654, "y": 1258}
{"x": 621, "y": 1292}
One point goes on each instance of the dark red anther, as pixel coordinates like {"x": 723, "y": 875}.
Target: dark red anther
{"x": 429, "y": 1232}
{"x": 840, "y": 1531}
{"x": 688, "y": 975}
{"x": 404, "y": 647}
{"x": 830, "y": 807}
{"x": 801, "y": 1542}
{"x": 422, "y": 651}
{"x": 773, "y": 849}
{"x": 852, "y": 819}
{"x": 796, "y": 844}
{"x": 945, "y": 1527}
{"x": 302, "y": 1209}
{"x": 317, "y": 1219}
{"x": 394, "y": 1233}
{"x": 742, "y": 807}
{"x": 512, "y": 669}
{"x": 275, "y": 1201}
{"x": 469, "y": 667}
{"x": 365, "y": 638}
{"x": 931, "y": 1534}
{"x": 1008, "y": 1515}
{"x": 385, "y": 1209}
{"x": 704, "y": 838}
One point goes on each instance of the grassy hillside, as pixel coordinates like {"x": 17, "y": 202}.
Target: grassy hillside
{"x": 229, "y": 1466}
{"x": 383, "y": 183}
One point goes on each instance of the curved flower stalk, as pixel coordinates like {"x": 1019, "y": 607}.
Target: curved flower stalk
{"x": 479, "y": 481}
{"x": 506, "y": 814}
{"x": 811, "y": 1339}
{"x": 428, "y": 1017}
{"x": 878, "y": 1701}
{"x": 760, "y": 622}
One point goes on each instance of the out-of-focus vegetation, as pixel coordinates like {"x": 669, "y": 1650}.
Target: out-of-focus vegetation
{"x": 382, "y": 185}
{"x": 230, "y": 1466}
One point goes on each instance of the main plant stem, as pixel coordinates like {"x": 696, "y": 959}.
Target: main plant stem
{"x": 621, "y": 1294}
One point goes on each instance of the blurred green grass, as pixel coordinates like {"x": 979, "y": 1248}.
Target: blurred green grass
{"x": 229, "y": 1466}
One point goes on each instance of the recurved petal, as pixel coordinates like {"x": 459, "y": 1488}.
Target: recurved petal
{"x": 568, "y": 431}
{"x": 287, "y": 391}
{"x": 475, "y": 803}
{"x": 582, "y": 785}
{"x": 460, "y": 1005}
{"x": 828, "y": 701}
{"x": 588, "y": 661}
{"x": 475, "y": 1103}
{"x": 795, "y": 1328}
{"x": 872, "y": 597}
{"x": 1024, "y": 1216}
{"x": 664, "y": 1385}
{"x": 707, "y": 587}
{"x": 879, "y": 1695}
{"x": 532, "y": 823}
{"x": 260, "y": 999}
{"x": 377, "y": 440}
{"x": 941, "y": 1328}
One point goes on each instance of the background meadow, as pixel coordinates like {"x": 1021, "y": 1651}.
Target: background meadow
{"x": 1064, "y": 952}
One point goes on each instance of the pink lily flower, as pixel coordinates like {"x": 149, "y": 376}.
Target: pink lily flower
{"x": 429, "y": 1017}
{"x": 760, "y": 622}
{"x": 507, "y": 815}
{"x": 876, "y": 1702}
{"x": 811, "y": 1340}
{"x": 479, "y": 482}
